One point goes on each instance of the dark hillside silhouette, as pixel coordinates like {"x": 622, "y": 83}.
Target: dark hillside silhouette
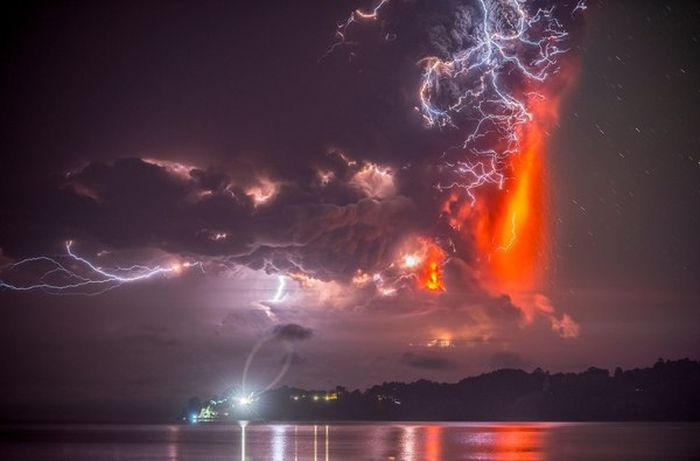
{"x": 668, "y": 391}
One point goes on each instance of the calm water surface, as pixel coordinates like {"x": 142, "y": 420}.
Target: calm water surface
{"x": 346, "y": 442}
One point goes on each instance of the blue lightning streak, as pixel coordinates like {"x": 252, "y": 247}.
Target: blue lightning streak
{"x": 83, "y": 277}
{"x": 500, "y": 111}
{"x": 525, "y": 43}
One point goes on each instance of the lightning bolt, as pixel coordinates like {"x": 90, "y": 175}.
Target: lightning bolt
{"x": 498, "y": 98}
{"x": 279, "y": 294}
{"x": 355, "y": 16}
{"x": 513, "y": 235}
{"x": 501, "y": 112}
{"x": 531, "y": 48}
{"x": 74, "y": 274}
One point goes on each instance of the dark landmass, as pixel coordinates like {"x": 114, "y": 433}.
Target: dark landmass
{"x": 668, "y": 391}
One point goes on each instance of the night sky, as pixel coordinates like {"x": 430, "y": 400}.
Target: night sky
{"x": 223, "y": 136}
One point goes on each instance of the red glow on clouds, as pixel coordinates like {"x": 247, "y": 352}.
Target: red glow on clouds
{"x": 424, "y": 258}
{"x": 519, "y": 228}
{"x": 509, "y": 227}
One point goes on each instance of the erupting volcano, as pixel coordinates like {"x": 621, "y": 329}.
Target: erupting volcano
{"x": 496, "y": 80}
{"x": 509, "y": 225}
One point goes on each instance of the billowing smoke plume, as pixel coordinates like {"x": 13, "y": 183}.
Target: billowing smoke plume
{"x": 432, "y": 189}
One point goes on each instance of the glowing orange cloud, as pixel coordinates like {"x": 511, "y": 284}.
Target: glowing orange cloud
{"x": 510, "y": 227}
{"x": 519, "y": 230}
{"x": 424, "y": 259}
{"x": 432, "y": 276}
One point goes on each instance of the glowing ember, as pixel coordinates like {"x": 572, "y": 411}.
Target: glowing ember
{"x": 442, "y": 341}
{"x": 430, "y": 272}
{"x": 423, "y": 259}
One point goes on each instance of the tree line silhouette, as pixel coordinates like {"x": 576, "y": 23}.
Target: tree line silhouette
{"x": 667, "y": 391}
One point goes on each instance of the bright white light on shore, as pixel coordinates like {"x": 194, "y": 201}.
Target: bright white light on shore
{"x": 244, "y": 400}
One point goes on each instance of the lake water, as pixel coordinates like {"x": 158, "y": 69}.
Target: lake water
{"x": 355, "y": 442}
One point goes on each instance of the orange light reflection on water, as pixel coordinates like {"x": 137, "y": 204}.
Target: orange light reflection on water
{"x": 433, "y": 443}
{"x": 519, "y": 443}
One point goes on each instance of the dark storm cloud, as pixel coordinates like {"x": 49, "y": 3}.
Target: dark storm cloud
{"x": 291, "y": 332}
{"x": 327, "y": 229}
{"x": 234, "y": 89}
{"x": 288, "y": 203}
{"x": 426, "y": 362}
{"x": 132, "y": 203}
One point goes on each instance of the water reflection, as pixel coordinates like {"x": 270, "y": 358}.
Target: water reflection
{"x": 243, "y": 425}
{"x": 433, "y": 442}
{"x": 316, "y": 437}
{"x": 520, "y": 443}
{"x": 172, "y": 437}
{"x": 279, "y": 440}
{"x": 354, "y": 442}
{"x": 408, "y": 443}
{"x": 405, "y": 442}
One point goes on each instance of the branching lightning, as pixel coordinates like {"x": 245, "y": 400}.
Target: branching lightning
{"x": 355, "y": 16}
{"x": 76, "y": 275}
{"x": 493, "y": 92}
{"x": 511, "y": 40}
{"x": 516, "y": 42}
{"x": 496, "y": 91}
